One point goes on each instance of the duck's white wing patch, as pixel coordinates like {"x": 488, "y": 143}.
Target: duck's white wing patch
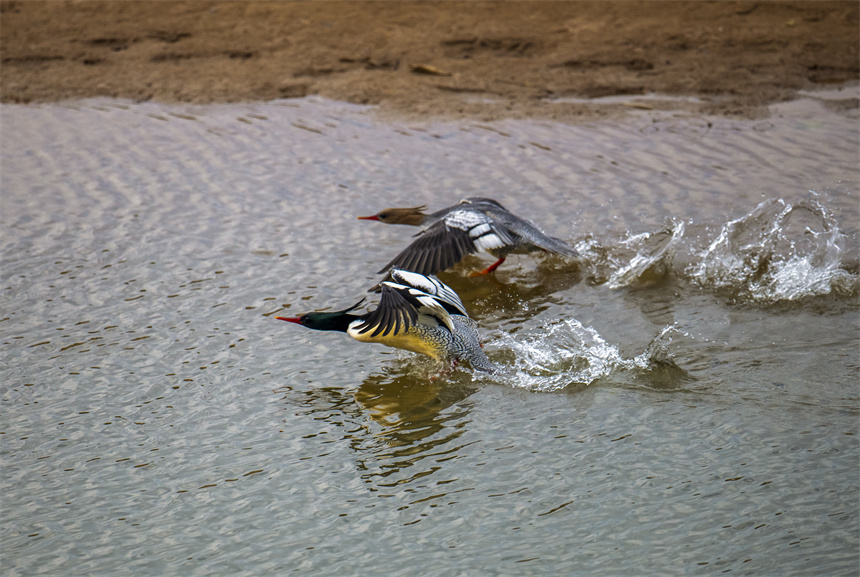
{"x": 431, "y": 307}
{"x": 415, "y": 280}
{"x": 486, "y": 234}
{"x": 430, "y": 285}
{"x": 487, "y": 238}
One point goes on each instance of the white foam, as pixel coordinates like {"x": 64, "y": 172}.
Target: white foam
{"x": 568, "y": 353}
{"x": 776, "y": 252}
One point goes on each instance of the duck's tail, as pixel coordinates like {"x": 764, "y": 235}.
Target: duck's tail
{"x": 558, "y": 246}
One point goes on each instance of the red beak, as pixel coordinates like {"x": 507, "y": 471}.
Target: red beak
{"x": 296, "y": 320}
{"x": 374, "y": 217}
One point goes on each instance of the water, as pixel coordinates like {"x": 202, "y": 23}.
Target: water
{"x": 682, "y": 401}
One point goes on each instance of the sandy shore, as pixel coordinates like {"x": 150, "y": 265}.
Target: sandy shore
{"x": 481, "y": 59}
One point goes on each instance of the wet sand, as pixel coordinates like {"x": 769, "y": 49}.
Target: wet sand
{"x": 477, "y": 59}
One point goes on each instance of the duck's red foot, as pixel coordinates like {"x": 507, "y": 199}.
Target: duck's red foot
{"x": 490, "y": 268}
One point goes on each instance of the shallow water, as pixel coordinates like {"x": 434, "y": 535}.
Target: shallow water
{"x": 684, "y": 400}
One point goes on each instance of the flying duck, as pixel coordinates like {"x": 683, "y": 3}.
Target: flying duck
{"x": 472, "y": 225}
{"x": 417, "y": 313}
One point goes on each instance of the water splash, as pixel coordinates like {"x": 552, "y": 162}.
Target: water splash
{"x": 639, "y": 261}
{"x": 567, "y": 354}
{"x": 777, "y": 252}
{"x": 652, "y": 262}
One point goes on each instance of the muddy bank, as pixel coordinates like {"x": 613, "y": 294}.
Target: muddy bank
{"x": 482, "y": 59}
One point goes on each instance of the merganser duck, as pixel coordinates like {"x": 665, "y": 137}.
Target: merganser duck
{"x": 472, "y": 225}
{"x": 417, "y": 313}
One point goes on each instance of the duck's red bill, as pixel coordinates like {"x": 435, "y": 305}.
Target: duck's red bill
{"x": 297, "y": 320}
{"x": 374, "y": 217}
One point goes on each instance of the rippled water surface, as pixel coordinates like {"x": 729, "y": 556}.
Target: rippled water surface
{"x": 683, "y": 400}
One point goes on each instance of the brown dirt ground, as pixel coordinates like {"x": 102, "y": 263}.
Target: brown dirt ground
{"x": 478, "y": 59}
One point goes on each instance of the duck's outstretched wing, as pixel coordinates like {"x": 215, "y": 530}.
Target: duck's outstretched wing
{"x": 403, "y": 305}
{"x": 444, "y": 244}
{"x": 534, "y": 236}
{"x": 432, "y": 286}
{"x": 397, "y": 311}
{"x": 437, "y": 248}
{"x": 525, "y": 229}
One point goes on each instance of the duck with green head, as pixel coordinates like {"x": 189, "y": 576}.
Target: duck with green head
{"x": 416, "y": 313}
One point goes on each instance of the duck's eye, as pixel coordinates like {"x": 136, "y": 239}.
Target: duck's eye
{"x": 382, "y": 215}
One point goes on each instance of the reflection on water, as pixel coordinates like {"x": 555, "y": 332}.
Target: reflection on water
{"x": 411, "y": 421}
{"x": 507, "y": 302}
{"x": 683, "y": 400}
{"x": 417, "y": 422}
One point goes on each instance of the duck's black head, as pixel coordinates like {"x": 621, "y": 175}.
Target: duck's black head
{"x": 333, "y": 321}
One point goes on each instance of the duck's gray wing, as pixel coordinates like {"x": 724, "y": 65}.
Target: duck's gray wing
{"x": 444, "y": 244}
{"x": 527, "y": 231}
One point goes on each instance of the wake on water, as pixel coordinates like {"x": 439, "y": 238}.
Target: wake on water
{"x": 568, "y": 354}
{"x": 778, "y": 252}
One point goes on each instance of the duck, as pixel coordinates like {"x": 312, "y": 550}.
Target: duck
{"x": 417, "y": 313}
{"x": 475, "y": 224}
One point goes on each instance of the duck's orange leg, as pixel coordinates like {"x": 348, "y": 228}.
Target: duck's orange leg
{"x": 490, "y": 268}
